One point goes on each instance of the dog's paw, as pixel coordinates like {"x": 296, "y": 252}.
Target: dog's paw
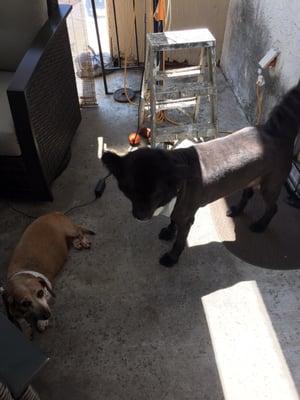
{"x": 27, "y": 330}
{"x": 86, "y": 243}
{"x": 232, "y": 212}
{"x": 77, "y": 244}
{"x": 257, "y": 227}
{"x": 81, "y": 242}
{"x": 42, "y": 325}
{"x": 166, "y": 234}
{"x": 167, "y": 260}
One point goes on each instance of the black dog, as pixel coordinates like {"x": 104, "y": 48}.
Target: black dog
{"x": 252, "y": 157}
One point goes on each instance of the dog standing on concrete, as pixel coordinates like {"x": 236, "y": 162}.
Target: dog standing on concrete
{"x": 198, "y": 175}
{"x": 37, "y": 259}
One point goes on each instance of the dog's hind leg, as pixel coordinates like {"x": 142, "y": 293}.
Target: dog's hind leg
{"x": 81, "y": 241}
{"x": 77, "y": 236}
{"x": 261, "y": 225}
{"x": 234, "y": 211}
{"x": 270, "y": 192}
{"x": 170, "y": 258}
{"x": 169, "y": 232}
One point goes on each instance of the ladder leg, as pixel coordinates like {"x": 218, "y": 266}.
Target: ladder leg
{"x": 152, "y": 84}
{"x": 200, "y": 79}
{"x": 211, "y": 62}
{"x": 144, "y": 88}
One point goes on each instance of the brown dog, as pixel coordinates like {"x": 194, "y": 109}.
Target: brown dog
{"x": 37, "y": 259}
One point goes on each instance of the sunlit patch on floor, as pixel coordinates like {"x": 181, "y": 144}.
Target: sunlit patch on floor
{"x": 203, "y": 230}
{"x": 249, "y": 358}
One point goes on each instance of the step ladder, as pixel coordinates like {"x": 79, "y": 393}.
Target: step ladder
{"x": 180, "y": 88}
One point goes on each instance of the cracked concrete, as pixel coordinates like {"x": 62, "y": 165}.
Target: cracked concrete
{"x": 125, "y": 327}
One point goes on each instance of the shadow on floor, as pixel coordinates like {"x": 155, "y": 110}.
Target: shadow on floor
{"x": 275, "y": 248}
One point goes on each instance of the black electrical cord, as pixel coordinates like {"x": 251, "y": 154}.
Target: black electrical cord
{"x": 100, "y": 187}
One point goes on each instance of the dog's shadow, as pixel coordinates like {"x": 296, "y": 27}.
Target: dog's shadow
{"x": 276, "y": 248}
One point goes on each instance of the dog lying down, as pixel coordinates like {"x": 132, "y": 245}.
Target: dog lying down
{"x": 251, "y": 157}
{"x": 37, "y": 259}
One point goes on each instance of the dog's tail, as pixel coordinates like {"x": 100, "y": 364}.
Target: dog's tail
{"x": 284, "y": 119}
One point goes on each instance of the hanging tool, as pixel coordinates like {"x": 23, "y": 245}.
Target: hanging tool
{"x": 160, "y": 11}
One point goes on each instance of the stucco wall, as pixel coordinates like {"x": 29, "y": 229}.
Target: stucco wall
{"x": 186, "y": 14}
{"x": 252, "y": 28}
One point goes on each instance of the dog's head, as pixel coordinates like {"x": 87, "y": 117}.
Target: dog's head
{"x": 150, "y": 178}
{"x": 26, "y": 297}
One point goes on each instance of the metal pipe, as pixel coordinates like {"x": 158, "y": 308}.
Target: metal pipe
{"x": 145, "y": 31}
{"x": 109, "y": 69}
{"x": 136, "y": 35}
{"x": 117, "y": 32}
{"x": 99, "y": 45}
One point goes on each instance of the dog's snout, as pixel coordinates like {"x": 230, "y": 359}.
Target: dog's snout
{"x": 140, "y": 215}
{"x": 45, "y": 315}
{"x": 143, "y": 218}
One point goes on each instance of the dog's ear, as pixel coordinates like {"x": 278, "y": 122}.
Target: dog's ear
{"x": 112, "y": 162}
{"x": 8, "y": 302}
{"x": 45, "y": 285}
{"x": 8, "y": 299}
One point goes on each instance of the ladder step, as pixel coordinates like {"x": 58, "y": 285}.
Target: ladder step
{"x": 184, "y": 90}
{"x": 173, "y": 104}
{"x": 186, "y": 39}
{"x": 189, "y": 131}
{"x": 187, "y": 72}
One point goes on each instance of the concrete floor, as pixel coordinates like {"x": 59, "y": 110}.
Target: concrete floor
{"x": 124, "y": 327}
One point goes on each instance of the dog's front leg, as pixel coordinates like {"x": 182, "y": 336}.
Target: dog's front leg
{"x": 170, "y": 258}
{"x": 26, "y": 327}
{"x": 169, "y": 232}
